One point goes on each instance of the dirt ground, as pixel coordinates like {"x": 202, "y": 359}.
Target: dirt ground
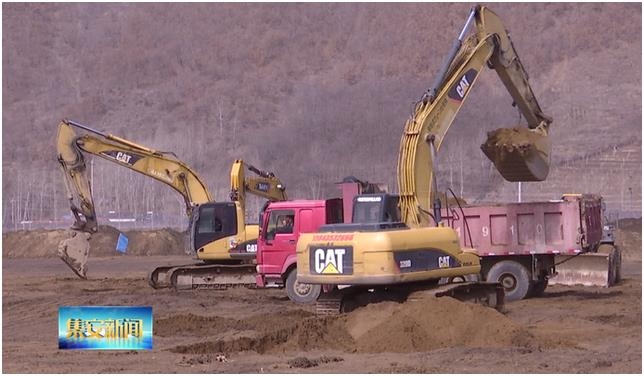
{"x": 568, "y": 330}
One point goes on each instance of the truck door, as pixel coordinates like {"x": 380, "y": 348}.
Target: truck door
{"x": 278, "y": 239}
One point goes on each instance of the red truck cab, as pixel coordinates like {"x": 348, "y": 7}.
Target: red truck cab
{"x": 282, "y": 224}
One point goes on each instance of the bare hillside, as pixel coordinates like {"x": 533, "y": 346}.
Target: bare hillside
{"x": 313, "y": 92}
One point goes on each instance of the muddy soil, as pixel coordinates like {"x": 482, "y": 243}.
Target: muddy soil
{"x": 568, "y": 330}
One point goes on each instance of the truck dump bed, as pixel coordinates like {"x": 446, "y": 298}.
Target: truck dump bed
{"x": 569, "y": 226}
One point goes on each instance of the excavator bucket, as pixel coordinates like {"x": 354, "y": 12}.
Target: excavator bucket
{"x": 519, "y": 154}
{"x": 74, "y": 251}
{"x": 602, "y": 268}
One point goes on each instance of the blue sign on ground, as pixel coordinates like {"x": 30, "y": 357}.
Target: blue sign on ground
{"x": 121, "y": 243}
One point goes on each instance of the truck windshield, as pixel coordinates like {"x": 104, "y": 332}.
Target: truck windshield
{"x": 215, "y": 221}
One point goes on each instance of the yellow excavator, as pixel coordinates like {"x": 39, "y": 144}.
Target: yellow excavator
{"x": 391, "y": 243}
{"x": 218, "y": 230}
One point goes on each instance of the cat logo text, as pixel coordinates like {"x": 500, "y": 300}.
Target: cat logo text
{"x": 330, "y": 260}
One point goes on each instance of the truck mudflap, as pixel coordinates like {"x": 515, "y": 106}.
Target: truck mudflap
{"x": 338, "y": 301}
{"x": 601, "y": 268}
{"x": 203, "y": 276}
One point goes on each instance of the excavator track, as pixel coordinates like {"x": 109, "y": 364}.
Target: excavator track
{"x": 329, "y": 303}
{"x": 203, "y": 276}
{"x": 344, "y": 300}
{"x": 158, "y": 278}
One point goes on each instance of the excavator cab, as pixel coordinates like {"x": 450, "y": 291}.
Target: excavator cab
{"x": 214, "y": 221}
{"x": 371, "y": 212}
{"x": 218, "y": 233}
{"x": 376, "y": 208}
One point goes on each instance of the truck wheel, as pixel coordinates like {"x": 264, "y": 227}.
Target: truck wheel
{"x": 618, "y": 265}
{"x": 513, "y": 277}
{"x": 301, "y": 292}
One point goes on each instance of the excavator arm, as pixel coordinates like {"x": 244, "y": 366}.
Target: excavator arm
{"x": 520, "y": 154}
{"x": 161, "y": 166}
{"x": 265, "y": 184}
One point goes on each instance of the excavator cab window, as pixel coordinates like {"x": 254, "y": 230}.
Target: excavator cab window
{"x": 392, "y": 210}
{"x": 375, "y": 208}
{"x": 215, "y": 221}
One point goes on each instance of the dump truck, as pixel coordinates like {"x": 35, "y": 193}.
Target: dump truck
{"x": 526, "y": 246}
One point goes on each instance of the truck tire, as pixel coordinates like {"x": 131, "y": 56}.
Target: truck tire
{"x": 513, "y": 277}
{"x": 301, "y": 292}
{"x": 614, "y": 262}
{"x": 618, "y": 265}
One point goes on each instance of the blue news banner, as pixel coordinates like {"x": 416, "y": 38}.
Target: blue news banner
{"x": 105, "y": 328}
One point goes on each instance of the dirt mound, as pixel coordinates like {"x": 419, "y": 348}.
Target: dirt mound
{"x": 37, "y": 243}
{"x": 431, "y": 323}
{"x": 423, "y": 325}
{"x": 44, "y": 243}
{"x": 160, "y": 242}
{"x": 320, "y": 332}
